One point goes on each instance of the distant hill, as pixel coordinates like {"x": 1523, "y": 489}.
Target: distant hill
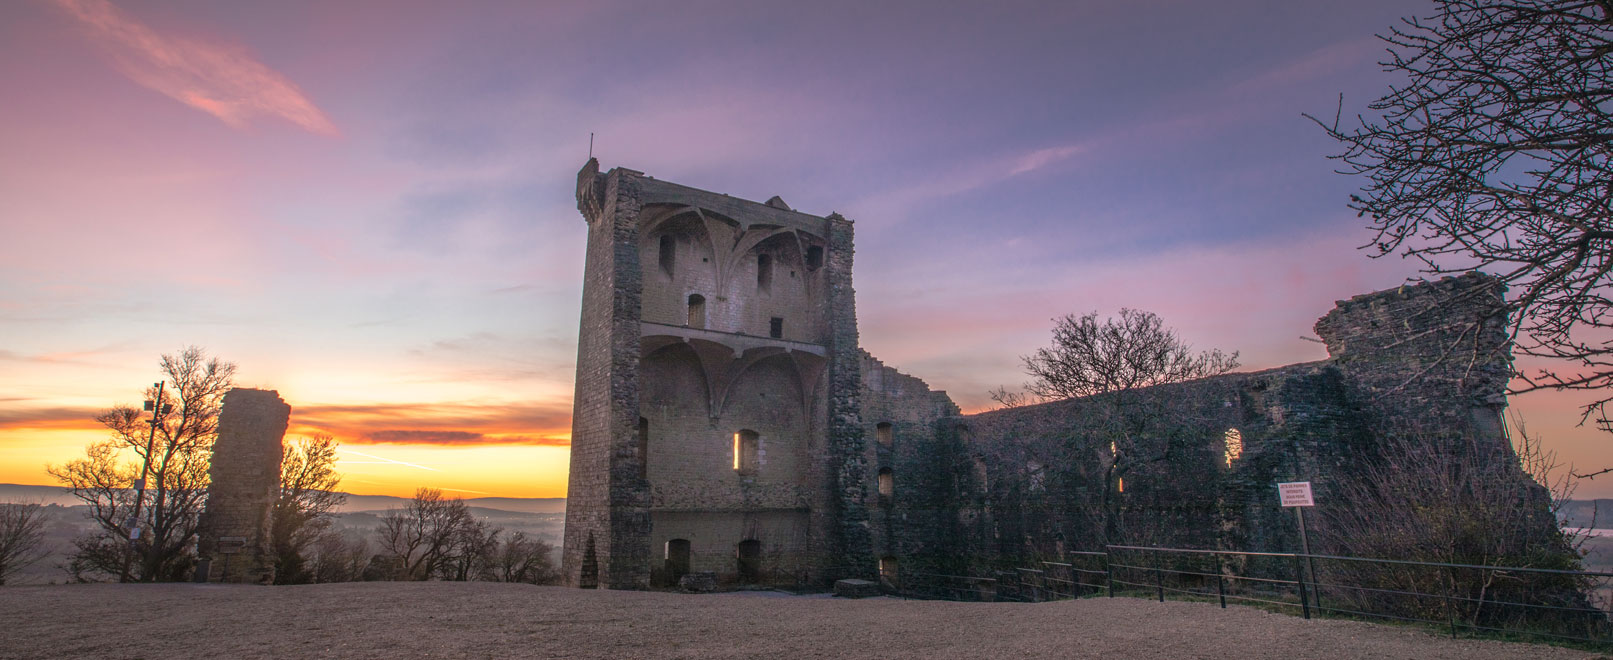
{"x": 1587, "y": 513}
{"x": 37, "y": 495}
{"x": 58, "y": 495}
{"x": 357, "y": 503}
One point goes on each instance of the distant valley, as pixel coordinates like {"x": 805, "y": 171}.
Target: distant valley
{"x": 68, "y": 518}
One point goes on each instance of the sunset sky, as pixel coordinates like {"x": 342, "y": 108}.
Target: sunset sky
{"x": 368, "y": 206}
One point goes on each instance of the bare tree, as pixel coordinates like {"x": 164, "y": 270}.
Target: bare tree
{"x": 339, "y": 556}
{"x": 1491, "y": 151}
{"x": 22, "y": 536}
{"x": 525, "y": 559}
{"x": 308, "y": 494}
{"x": 175, "y": 449}
{"x": 1136, "y": 350}
{"x": 1006, "y": 399}
{"x": 420, "y": 538}
{"x": 472, "y": 552}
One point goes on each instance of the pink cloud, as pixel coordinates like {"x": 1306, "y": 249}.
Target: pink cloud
{"x": 895, "y": 203}
{"x": 221, "y": 80}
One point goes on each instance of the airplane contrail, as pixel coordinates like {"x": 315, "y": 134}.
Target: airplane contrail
{"x": 388, "y": 460}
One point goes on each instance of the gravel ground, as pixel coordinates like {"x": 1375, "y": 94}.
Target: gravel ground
{"x": 487, "y": 620}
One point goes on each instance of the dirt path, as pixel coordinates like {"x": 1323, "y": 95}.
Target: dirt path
{"x": 482, "y": 620}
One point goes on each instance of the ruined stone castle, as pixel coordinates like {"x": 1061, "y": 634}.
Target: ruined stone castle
{"x": 726, "y": 420}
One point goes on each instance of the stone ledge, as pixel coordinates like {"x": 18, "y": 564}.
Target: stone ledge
{"x": 855, "y": 588}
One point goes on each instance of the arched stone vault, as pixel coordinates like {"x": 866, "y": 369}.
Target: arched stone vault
{"x": 724, "y": 361}
{"x": 731, "y": 240}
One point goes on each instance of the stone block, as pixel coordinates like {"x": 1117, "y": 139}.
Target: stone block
{"x": 854, "y": 588}
{"x": 704, "y": 582}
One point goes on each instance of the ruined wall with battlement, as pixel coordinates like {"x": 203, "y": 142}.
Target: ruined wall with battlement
{"x": 726, "y": 420}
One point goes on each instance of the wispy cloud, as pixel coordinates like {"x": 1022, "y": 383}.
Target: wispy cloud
{"x": 895, "y": 203}
{"x": 437, "y": 437}
{"x": 221, "y": 80}
{"x": 49, "y": 417}
{"x": 448, "y": 424}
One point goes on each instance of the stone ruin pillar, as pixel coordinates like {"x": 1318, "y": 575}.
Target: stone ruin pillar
{"x": 235, "y": 543}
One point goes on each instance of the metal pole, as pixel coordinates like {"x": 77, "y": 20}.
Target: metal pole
{"x": 1305, "y": 547}
{"x": 1220, "y": 582}
{"x": 1299, "y": 575}
{"x": 140, "y": 486}
{"x": 1159, "y": 578}
{"x": 1108, "y": 572}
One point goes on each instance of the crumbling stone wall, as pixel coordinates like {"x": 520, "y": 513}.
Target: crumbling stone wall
{"x": 1033, "y": 482}
{"x": 899, "y": 415}
{"x": 235, "y": 543}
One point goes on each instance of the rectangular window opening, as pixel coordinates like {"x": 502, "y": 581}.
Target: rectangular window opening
{"x": 775, "y": 328}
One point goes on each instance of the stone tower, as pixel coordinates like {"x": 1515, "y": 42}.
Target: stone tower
{"x": 716, "y": 425}
{"x": 234, "y": 543}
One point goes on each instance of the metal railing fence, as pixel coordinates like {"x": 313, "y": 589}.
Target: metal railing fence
{"x": 1475, "y": 599}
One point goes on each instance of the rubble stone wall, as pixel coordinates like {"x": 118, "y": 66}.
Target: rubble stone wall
{"x": 235, "y": 541}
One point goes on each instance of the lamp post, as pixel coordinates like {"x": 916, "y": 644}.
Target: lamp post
{"x": 158, "y": 410}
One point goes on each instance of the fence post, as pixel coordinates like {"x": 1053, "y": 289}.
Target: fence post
{"x": 1299, "y": 575}
{"x": 1159, "y": 578}
{"x": 1450, "y": 613}
{"x": 1108, "y": 572}
{"x": 1220, "y": 582}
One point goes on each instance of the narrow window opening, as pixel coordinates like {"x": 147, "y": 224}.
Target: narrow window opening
{"x": 887, "y": 570}
{"x": 697, "y": 310}
{"x": 775, "y": 328}
{"x": 1120, "y": 484}
{"x": 669, "y": 253}
{"x": 1234, "y": 439}
{"x": 1035, "y": 476}
{"x": 887, "y": 484}
{"x": 882, "y": 433}
{"x": 814, "y": 258}
{"x": 749, "y": 555}
{"x": 764, "y": 272}
{"x": 677, "y": 558}
{"x": 745, "y": 452}
{"x": 643, "y": 448}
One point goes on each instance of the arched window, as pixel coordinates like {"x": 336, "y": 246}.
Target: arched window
{"x": 643, "y": 448}
{"x": 1035, "y": 476}
{"x": 745, "y": 451}
{"x": 669, "y": 253}
{"x": 882, "y": 433}
{"x": 1234, "y": 440}
{"x": 749, "y": 554}
{"x": 697, "y": 310}
{"x": 887, "y": 484}
{"x": 764, "y": 272}
{"x": 677, "y": 558}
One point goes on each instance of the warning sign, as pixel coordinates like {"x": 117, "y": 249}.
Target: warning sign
{"x": 1296, "y": 493}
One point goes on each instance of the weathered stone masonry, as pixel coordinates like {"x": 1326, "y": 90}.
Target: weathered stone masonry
{"x": 234, "y": 543}
{"x": 726, "y": 420}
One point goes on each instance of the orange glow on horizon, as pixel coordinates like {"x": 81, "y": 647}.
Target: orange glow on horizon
{"x": 487, "y": 468}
